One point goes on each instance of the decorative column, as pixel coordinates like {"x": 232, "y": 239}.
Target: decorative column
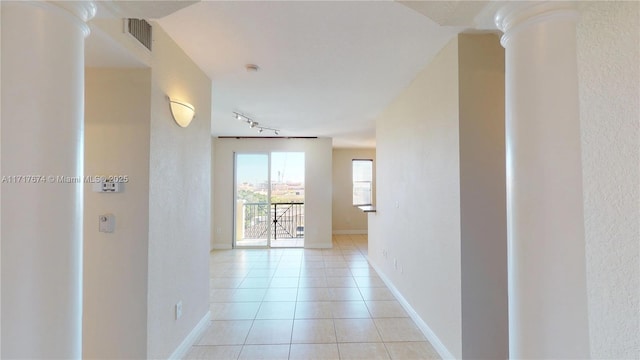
{"x": 547, "y": 281}
{"x": 42, "y": 140}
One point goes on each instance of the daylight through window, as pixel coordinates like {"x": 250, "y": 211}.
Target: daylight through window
{"x": 362, "y": 174}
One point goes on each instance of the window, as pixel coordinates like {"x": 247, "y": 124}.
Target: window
{"x": 362, "y": 175}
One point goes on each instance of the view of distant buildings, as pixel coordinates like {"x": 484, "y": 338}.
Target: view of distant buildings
{"x": 282, "y": 218}
{"x": 281, "y": 192}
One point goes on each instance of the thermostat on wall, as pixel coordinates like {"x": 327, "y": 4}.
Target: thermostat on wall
{"x": 107, "y": 186}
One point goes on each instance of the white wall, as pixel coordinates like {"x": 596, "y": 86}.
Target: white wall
{"x": 608, "y": 58}
{"x": 608, "y": 54}
{"x": 179, "y": 199}
{"x": 483, "y": 208}
{"x": 159, "y": 254}
{"x": 0, "y": 200}
{"x": 441, "y": 209}
{"x": 348, "y": 219}
{"x": 318, "y": 158}
{"x": 418, "y": 197}
{"x": 116, "y": 137}
{"x": 214, "y": 221}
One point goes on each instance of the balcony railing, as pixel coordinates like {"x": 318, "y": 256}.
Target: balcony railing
{"x": 287, "y": 220}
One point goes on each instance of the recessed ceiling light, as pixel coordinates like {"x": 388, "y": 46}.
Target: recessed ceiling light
{"x": 252, "y": 67}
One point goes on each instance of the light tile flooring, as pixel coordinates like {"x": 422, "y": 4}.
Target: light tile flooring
{"x": 277, "y": 243}
{"x": 305, "y": 304}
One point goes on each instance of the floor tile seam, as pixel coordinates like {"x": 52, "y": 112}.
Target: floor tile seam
{"x": 361, "y": 342}
{"x": 408, "y": 341}
{"x": 380, "y": 334}
{"x": 246, "y": 337}
{"x": 293, "y": 323}
{"x": 335, "y": 330}
{"x": 325, "y": 343}
{"x": 338, "y": 346}
{"x": 386, "y": 349}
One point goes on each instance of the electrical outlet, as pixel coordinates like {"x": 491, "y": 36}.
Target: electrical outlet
{"x": 395, "y": 263}
{"x": 178, "y": 310}
{"x": 384, "y": 253}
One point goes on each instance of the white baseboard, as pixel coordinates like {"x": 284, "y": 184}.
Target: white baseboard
{"x": 426, "y": 330}
{"x": 188, "y": 342}
{"x": 349, "y": 232}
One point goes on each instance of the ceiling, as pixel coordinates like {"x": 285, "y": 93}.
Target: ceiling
{"x": 327, "y": 68}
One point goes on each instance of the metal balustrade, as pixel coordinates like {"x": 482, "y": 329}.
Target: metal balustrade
{"x": 287, "y": 220}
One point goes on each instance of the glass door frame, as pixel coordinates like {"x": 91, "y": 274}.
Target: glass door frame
{"x": 235, "y": 199}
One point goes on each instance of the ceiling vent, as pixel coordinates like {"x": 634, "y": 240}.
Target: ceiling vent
{"x": 141, "y": 30}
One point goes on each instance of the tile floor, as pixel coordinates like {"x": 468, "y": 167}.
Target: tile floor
{"x": 305, "y": 304}
{"x": 279, "y": 243}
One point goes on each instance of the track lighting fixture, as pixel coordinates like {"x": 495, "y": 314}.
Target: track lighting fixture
{"x": 253, "y": 124}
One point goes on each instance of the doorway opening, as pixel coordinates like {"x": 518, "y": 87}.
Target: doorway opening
{"x": 269, "y": 200}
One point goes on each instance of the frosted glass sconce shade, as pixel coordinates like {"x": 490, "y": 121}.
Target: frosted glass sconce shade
{"x": 182, "y": 112}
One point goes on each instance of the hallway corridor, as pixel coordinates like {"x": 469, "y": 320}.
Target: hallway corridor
{"x": 305, "y": 304}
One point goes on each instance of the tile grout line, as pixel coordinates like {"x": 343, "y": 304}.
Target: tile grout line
{"x": 347, "y": 256}
{"x": 295, "y": 307}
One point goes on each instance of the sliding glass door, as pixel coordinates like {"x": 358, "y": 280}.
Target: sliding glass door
{"x": 287, "y": 199}
{"x": 269, "y": 200}
{"x": 252, "y": 206}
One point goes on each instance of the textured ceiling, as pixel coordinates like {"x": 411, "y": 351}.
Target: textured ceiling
{"x": 327, "y": 68}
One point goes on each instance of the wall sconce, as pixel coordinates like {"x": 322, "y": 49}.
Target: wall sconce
{"x": 182, "y": 112}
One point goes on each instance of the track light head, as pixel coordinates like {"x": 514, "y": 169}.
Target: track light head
{"x": 253, "y": 124}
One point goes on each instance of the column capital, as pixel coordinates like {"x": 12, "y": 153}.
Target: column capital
{"x": 83, "y": 10}
{"x": 513, "y": 17}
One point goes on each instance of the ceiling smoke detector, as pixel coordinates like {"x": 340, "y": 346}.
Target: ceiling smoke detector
{"x": 252, "y": 67}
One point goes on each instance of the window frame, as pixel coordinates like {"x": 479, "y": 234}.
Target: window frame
{"x": 354, "y": 182}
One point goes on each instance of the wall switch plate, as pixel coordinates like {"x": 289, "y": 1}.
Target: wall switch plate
{"x": 178, "y": 310}
{"x": 107, "y": 223}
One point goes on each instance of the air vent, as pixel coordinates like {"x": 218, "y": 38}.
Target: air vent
{"x": 141, "y": 30}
